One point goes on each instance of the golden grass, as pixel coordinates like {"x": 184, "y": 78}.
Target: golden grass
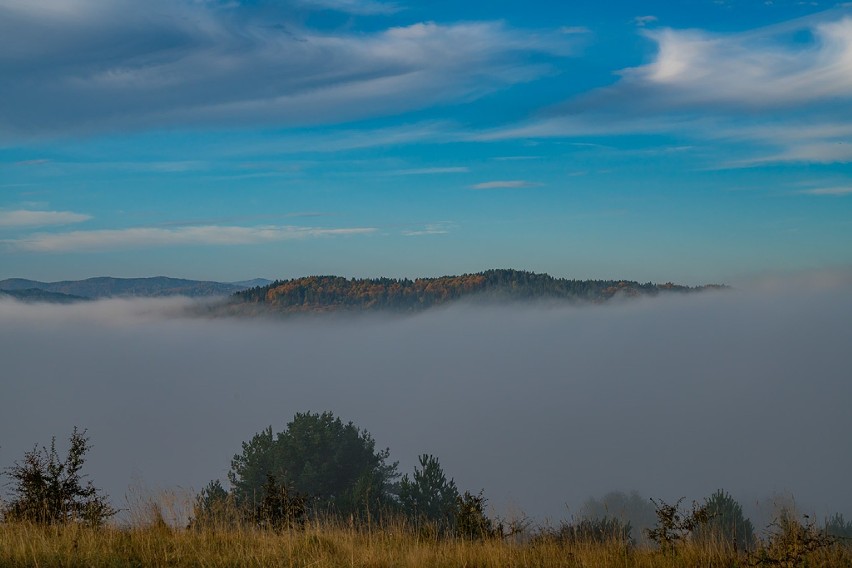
{"x": 24, "y": 544}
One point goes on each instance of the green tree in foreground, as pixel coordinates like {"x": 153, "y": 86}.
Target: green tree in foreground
{"x": 48, "y": 490}
{"x": 335, "y": 464}
{"x": 427, "y": 496}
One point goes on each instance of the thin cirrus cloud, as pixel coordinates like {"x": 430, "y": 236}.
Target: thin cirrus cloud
{"x": 153, "y": 237}
{"x": 835, "y": 191}
{"x": 430, "y": 171}
{"x": 27, "y": 218}
{"x": 359, "y": 7}
{"x": 441, "y": 228}
{"x": 504, "y": 184}
{"x": 129, "y": 65}
{"x": 736, "y": 89}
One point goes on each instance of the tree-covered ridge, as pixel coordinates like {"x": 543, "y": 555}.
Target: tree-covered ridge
{"x": 329, "y": 293}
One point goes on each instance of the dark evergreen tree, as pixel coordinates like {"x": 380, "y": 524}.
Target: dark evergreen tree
{"x": 334, "y": 464}
{"x": 428, "y": 497}
{"x": 726, "y": 523}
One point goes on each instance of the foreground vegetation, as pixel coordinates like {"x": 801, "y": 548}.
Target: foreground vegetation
{"x": 320, "y": 494}
{"x": 393, "y": 545}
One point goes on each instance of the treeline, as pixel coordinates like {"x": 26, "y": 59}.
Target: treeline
{"x": 332, "y": 293}
{"x": 320, "y": 467}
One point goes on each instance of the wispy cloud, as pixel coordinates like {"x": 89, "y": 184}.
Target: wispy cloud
{"x": 135, "y": 65}
{"x": 27, "y": 218}
{"x": 441, "y": 228}
{"x": 151, "y": 237}
{"x": 642, "y": 21}
{"x": 571, "y": 30}
{"x": 504, "y": 184}
{"x": 753, "y": 69}
{"x": 360, "y": 7}
{"x": 430, "y": 171}
{"x": 835, "y": 191}
{"x": 773, "y": 99}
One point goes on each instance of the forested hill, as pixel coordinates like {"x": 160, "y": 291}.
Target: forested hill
{"x": 335, "y": 293}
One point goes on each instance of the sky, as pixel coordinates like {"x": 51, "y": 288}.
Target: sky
{"x": 696, "y": 141}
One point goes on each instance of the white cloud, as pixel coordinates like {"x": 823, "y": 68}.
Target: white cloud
{"x": 756, "y": 68}
{"x": 149, "y": 237}
{"x": 504, "y": 184}
{"x": 763, "y": 97}
{"x": 125, "y": 64}
{"x": 26, "y": 218}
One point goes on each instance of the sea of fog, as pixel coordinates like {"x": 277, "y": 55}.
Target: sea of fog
{"x": 748, "y": 389}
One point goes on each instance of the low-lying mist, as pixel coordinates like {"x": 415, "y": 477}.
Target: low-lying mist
{"x": 543, "y": 407}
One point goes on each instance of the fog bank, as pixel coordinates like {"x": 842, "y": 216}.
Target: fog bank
{"x": 747, "y": 390}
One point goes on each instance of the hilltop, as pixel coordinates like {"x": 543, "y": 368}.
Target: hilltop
{"x": 335, "y": 293}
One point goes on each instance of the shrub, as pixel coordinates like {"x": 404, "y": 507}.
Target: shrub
{"x": 471, "y": 521}
{"x": 279, "y": 508}
{"x": 674, "y": 525}
{"x": 791, "y": 542}
{"x": 50, "y": 491}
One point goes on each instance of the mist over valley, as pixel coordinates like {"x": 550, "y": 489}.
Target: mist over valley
{"x": 543, "y": 406}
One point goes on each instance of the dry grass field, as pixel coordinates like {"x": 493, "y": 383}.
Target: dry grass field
{"x": 71, "y": 545}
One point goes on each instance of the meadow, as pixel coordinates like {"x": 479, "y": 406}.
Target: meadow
{"x": 324, "y": 544}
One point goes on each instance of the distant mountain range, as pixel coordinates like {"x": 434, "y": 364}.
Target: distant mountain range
{"x": 106, "y": 287}
{"x": 337, "y": 294}
{"x": 334, "y": 293}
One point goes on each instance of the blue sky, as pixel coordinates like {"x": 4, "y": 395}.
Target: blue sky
{"x": 694, "y": 141}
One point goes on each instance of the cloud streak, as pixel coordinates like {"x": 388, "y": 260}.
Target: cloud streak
{"x": 359, "y": 7}
{"x": 152, "y": 237}
{"x": 27, "y": 218}
{"x": 504, "y": 184}
{"x": 139, "y": 66}
{"x": 835, "y": 191}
